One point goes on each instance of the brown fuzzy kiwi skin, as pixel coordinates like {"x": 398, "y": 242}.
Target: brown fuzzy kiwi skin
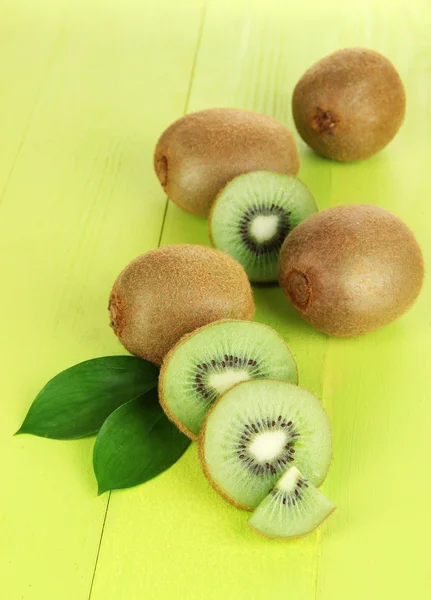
{"x": 171, "y": 291}
{"x": 349, "y": 105}
{"x": 296, "y": 537}
{"x": 165, "y": 364}
{"x": 198, "y": 154}
{"x": 201, "y": 451}
{"x": 349, "y": 270}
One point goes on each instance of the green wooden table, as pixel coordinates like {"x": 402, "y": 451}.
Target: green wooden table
{"x": 86, "y": 87}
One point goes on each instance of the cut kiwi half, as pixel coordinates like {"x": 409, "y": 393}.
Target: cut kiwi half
{"x": 252, "y": 216}
{"x": 293, "y": 507}
{"x": 211, "y": 360}
{"x": 255, "y": 431}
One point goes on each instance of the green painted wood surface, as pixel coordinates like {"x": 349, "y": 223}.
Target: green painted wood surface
{"x": 85, "y": 89}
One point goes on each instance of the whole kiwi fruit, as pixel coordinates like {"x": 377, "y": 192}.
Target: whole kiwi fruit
{"x": 198, "y": 154}
{"x": 351, "y": 269}
{"x": 211, "y": 359}
{"x": 171, "y": 291}
{"x": 255, "y": 431}
{"x": 349, "y": 105}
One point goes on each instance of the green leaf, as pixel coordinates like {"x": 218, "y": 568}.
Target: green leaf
{"x": 136, "y": 443}
{"x": 75, "y": 403}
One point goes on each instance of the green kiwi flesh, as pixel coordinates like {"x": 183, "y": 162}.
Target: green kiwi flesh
{"x": 293, "y": 507}
{"x": 169, "y": 292}
{"x": 349, "y": 270}
{"x": 255, "y": 431}
{"x": 349, "y": 105}
{"x": 252, "y": 216}
{"x": 212, "y": 359}
{"x": 199, "y": 153}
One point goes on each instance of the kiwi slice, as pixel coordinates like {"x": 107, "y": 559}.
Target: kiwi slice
{"x": 211, "y": 360}
{"x": 255, "y": 431}
{"x": 293, "y": 507}
{"x": 252, "y": 216}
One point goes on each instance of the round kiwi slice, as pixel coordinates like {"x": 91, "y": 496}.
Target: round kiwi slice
{"x": 198, "y": 154}
{"x": 252, "y": 216}
{"x": 255, "y": 431}
{"x": 349, "y": 105}
{"x": 211, "y": 360}
{"x": 293, "y": 507}
{"x": 171, "y": 291}
{"x": 351, "y": 269}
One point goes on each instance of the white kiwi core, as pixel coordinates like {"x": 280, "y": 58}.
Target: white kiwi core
{"x": 221, "y": 382}
{"x": 264, "y": 227}
{"x": 268, "y": 445}
{"x": 289, "y": 480}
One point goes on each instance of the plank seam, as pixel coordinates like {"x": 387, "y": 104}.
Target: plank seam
{"x": 44, "y": 80}
{"x": 100, "y": 545}
{"x": 317, "y": 564}
{"x": 188, "y": 95}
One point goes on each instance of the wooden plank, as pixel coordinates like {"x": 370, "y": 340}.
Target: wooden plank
{"x": 244, "y": 54}
{"x": 378, "y": 386}
{"x": 81, "y": 201}
{"x": 175, "y": 536}
{"x": 73, "y": 215}
{"x": 26, "y": 56}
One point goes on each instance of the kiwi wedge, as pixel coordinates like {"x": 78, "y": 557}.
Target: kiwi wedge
{"x": 349, "y": 270}
{"x": 252, "y": 216}
{"x": 164, "y": 294}
{"x": 349, "y": 105}
{"x": 198, "y": 154}
{"x": 255, "y": 431}
{"x": 211, "y": 360}
{"x": 293, "y": 507}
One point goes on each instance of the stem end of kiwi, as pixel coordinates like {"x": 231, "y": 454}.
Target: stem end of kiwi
{"x": 324, "y": 121}
{"x": 299, "y": 289}
{"x": 114, "y": 308}
{"x": 162, "y": 169}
